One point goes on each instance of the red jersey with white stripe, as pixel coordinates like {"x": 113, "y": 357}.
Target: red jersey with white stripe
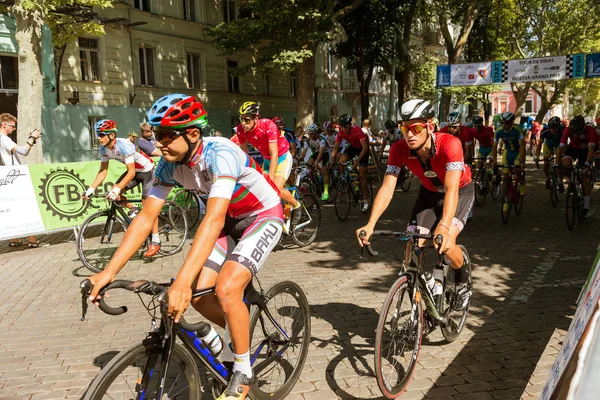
{"x": 220, "y": 169}
{"x": 447, "y": 156}
{"x": 264, "y": 133}
{"x": 580, "y": 140}
{"x": 354, "y": 138}
{"x": 126, "y": 152}
{"x": 485, "y": 137}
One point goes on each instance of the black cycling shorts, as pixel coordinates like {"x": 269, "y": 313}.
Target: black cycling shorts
{"x": 355, "y": 152}
{"x": 427, "y": 210}
{"x": 144, "y": 178}
{"x": 577, "y": 154}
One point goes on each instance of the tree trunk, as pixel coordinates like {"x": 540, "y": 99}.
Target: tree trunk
{"x": 59, "y": 54}
{"x": 446, "y": 99}
{"x": 520, "y": 93}
{"x": 305, "y": 102}
{"x": 30, "y": 100}
{"x": 363, "y": 83}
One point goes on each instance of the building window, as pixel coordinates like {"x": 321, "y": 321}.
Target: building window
{"x": 293, "y": 84}
{"x": 267, "y": 82}
{"x": 193, "y": 71}
{"x": 330, "y": 67}
{"x": 234, "y": 81}
{"x": 350, "y": 73}
{"x": 89, "y": 56}
{"x": 228, "y": 7}
{"x": 147, "y": 77}
{"x": 189, "y": 13}
{"x": 143, "y": 5}
{"x": 9, "y": 72}
{"x": 529, "y": 106}
{"x": 92, "y": 119}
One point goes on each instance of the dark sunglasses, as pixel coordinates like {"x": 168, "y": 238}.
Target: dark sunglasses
{"x": 246, "y": 120}
{"x": 101, "y": 134}
{"x": 166, "y": 136}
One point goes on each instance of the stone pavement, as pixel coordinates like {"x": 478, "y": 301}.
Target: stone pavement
{"x": 527, "y": 276}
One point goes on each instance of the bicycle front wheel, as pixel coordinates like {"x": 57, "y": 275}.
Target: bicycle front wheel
{"x": 98, "y": 239}
{"x": 398, "y": 339}
{"x": 135, "y": 373}
{"x": 343, "y": 200}
{"x": 193, "y": 207}
{"x": 481, "y": 188}
{"x": 306, "y": 231}
{"x": 278, "y": 361}
{"x": 518, "y": 199}
{"x": 506, "y": 204}
{"x": 405, "y": 179}
{"x": 455, "y": 320}
{"x": 571, "y": 206}
{"x": 553, "y": 192}
{"x": 172, "y": 228}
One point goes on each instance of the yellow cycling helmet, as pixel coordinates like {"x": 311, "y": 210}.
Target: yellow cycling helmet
{"x": 250, "y": 108}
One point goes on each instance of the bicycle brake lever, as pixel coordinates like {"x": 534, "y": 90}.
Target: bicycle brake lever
{"x": 86, "y": 289}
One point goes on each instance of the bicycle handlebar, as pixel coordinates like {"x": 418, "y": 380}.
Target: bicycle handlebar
{"x": 404, "y": 236}
{"x": 142, "y": 286}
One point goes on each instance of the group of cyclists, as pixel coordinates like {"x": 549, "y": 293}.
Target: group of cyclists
{"x": 244, "y": 216}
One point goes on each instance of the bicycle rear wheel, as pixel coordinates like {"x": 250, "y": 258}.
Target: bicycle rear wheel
{"x": 98, "y": 239}
{"x": 519, "y": 199}
{"x": 481, "y": 189}
{"x": 136, "y": 372}
{"x": 311, "y": 215}
{"x": 343, "y": 199}
{"x": 455, "y": 319}
{"x": 405, "y": 179}
{"x": 398, "y": 338}
{"x": 495, "y": 189}
{"x": 278, "y": 361}
{"x": 553, "y": 192}
{"x": 571, "y": 206}
{"x": 172, "y": 228}
{"x": 193, "y": 207}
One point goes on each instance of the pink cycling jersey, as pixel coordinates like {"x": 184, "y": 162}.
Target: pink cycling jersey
{"x": 355, "y": 137}
{"x": 264, "y": 133}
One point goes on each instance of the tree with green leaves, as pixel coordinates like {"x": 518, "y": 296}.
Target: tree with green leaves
{"x": 284, "y": 34}
{"x": 31, "y": 16}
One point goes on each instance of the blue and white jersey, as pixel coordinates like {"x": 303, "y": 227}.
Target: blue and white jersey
{"x": 220, "y": 169}
{"x": 126, "y": 152}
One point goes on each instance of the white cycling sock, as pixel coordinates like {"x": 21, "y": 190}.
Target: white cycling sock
{"x": 227, "y": 353}
{"x": 241, "y": 362}
{"x": 155, "y": 238}
{"x": 586, "y": 202}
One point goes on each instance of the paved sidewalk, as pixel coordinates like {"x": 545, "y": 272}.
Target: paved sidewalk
{"x": 527, "y": 275}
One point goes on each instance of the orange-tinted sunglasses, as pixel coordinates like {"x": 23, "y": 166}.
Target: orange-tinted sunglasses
{"x": 414, "y": 128}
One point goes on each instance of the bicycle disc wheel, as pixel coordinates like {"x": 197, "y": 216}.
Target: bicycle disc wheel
{"x": 136, "y": 371}
{"x": 506, "y": 205}
{"x": 98, "y": 240}
{"x": 279, "y": 362}
{"x": 398, "y": 339}
{"x": 193, "y": 209}
{"x": 406, "y": 180}
{"x": 343, "y": 201}
{"x": 455, "y": 319}
{"x": 571, "y": 207}
{"x": 172, "y": 228}
{"x": 306, "y": 234}
{"x": 553, "y": 192}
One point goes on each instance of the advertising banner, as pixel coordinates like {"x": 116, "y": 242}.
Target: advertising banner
{"x": 537, "y": 69}
{"x": 18, "y": 207}
{"x": 57, "y": 189}
{"x": 592, "y": 66}
{"x": 471, "y": 74}
{"x": 443, "y": 75}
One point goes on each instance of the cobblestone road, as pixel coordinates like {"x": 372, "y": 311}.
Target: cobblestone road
{"x": 527, "y": 276}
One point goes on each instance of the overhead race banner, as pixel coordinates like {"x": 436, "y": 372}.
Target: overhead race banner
{"x": 513, "y": 71}
{"x": 18, "y": 209}
{"x": 592, "y": 66}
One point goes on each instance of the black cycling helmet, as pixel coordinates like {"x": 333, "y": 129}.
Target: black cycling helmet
{"x": 345, "y": 120}
{"x": 554, "y": 122}
{"x": 477, "y": 120}
{"x": 507, "y": 116}
{"x": 389, "y": 124}
{"x": 416, "y": 109}
{"x": 577, "y": 124}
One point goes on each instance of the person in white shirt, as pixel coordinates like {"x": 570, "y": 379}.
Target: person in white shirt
{"x": 9, "y": 155}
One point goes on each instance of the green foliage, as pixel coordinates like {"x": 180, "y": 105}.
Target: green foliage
{"x": 423, "y": 76}
{"x": 466, "y": 94}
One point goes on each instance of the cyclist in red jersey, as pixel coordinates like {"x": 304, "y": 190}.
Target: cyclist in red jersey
{"x": 579, "y": 141}
{"x": 263, "y": 134}
{"x": 446, "y": 195}
{"x": 358, "y": 146}
{"x": 464, "y": 133}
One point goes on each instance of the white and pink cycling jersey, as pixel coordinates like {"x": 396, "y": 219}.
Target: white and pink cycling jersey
{"x": 126, "y": 152}
{"x": 220, "y": 169}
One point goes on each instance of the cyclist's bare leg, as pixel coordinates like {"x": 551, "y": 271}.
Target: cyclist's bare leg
{"x": 230, "y": 285}
{"x": 362, "y": 175}
{"x": 325, "y": 174}
{"x": 454, "y": 253}
{"x": 285, "y": 195}
{"x": 155, "y": 226}
{"x": 208, "y": 305}
{"x": 343, "y": 159}
{"x": 546, "y": 167}
{"x": 567, "y": 162}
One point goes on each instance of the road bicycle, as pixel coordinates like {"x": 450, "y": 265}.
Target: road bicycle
{"x": 305, "y": 232}
{"x": 487, "y": 180}
{"x": 102, "y": 232}
{"x": 405, "y": 178}
{"x": 412, "y": 308}
{"x": 574, "y": 199}
{"x": 161, "y": 368}
{"x": 513, "y": 191}
{"x": 349, "y": 193}
{"x": 194, "y": 205}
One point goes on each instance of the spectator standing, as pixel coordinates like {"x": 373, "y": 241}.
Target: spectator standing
{"x": 147, "y": 141}
{"x": 9, "y": 155}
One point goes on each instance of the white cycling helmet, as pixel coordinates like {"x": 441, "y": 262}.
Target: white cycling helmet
{"x": 453, "y": 119}
{"x": 416, "y": 109}
{"x": 311, "y": 128}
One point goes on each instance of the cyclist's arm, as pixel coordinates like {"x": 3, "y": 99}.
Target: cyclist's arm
{"x": 469, "y": 150}
{"x": 451, "y": 187}
{"x": 538, "y": 148}
{"x": 558, "y": 155}
{"x": 127, "y": 178}
{"x": 494, "y": 152}
{"x": 244, "y": 147}
{"x": 590, "y": 154}
{"x": 334, "y": 152}
{"x": 365, "y": 149}
{"x": 293, "y": 149}
{"x": 101, "y": 175}
{"x": 274, "y": 156}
